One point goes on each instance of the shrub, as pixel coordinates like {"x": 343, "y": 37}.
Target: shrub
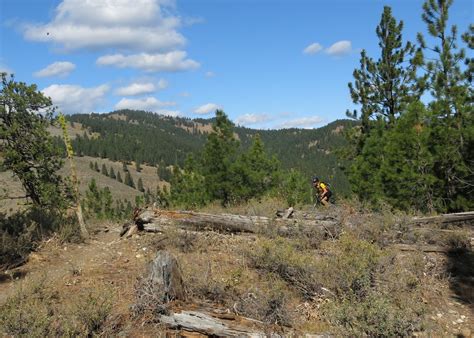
{"x": 280, "y": 257}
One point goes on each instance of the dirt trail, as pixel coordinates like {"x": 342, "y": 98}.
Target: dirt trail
{"x": 103, "y": 258}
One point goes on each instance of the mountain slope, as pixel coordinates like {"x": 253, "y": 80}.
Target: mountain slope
{"x": 145, "y": 137}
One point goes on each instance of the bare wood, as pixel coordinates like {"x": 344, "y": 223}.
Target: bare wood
{"x": 158, "y": 220}
{"x": 447, "y": 218}
{"x": 423, "y": 248}
{"x": 205, "y": 323}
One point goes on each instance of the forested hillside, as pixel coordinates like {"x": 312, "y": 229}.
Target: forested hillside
{"x": 145, "y": 137}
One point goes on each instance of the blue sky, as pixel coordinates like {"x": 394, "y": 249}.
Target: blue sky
{"x": 267, "y": 63}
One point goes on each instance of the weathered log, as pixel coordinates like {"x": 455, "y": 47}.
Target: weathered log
{"x": 422, "y": 248}
{"x": 158, "y": 220}
{"x": 460, "y": 217}
{"x": 205, "y": 323}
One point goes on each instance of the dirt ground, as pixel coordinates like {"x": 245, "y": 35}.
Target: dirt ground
{"x": 107, "y": 260}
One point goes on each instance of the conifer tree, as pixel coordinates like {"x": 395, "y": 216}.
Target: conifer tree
{"x": 452, "y": 124}
{"x": 140, "y": 185}
{"x": 129, "y": 180}
{"x": 91, "y": 165}
{"x": 385, "y": 87}
{"x": 119, "y": 177}
{"x": 96, "y": 167}
{"x": 26, "y": 147}
{"x": 218, "y": 157}
{"x": 104, "y": 170}
{"x": 112, "y": 173}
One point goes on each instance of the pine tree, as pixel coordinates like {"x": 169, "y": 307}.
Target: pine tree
{"x": 26, "y": 146}
{"x": 452, "y": 125}
{"x": 112, "y": 173}
{"x": 91, "y": 165}
{"x": 385, "y": 87}
{"x": 218, "y": 156}
{"x": 119, "y": 177}
{"x": 104, "y": 170}
{"x": 254, "y": 173}
{"x": 140, "y": 185}
{"x": 96, "y": 167}
{"x": 138, "y": 166}
{"x": 129, "y": 180}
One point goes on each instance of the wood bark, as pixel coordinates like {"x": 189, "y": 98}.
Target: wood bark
{"x": 207, "y": 324}
{"x": 158, "y": 220}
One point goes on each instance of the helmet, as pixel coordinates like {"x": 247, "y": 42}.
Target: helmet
{"x": 315, "y": 179}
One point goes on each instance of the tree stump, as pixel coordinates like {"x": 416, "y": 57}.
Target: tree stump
{"x": 165, "y": 278}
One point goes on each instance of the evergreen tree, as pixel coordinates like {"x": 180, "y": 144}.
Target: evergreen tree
{"x": 96, "y": 167}
{"x": 188, "y": 187}
{"x": 218, "y": 157}
{"x": 385, "y": 87}
{"x": 112, "y": 173}
{"x": 104, "y": 170}
{"x": 124, "y": 167}
{"x": 26, "y": 146}
{"x": 140, "y": 185}
{"x": 91, "y": 165}
{"x": 452, "y": 124}
{"x": 254, "y": 173}
{"x": 138, "y": 166}
{"x": 129, "y": 180}
{"x": 119, "y": 177}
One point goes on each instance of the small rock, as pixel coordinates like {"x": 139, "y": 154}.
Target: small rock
{"x": 452, "y": 311}
{"x": 460, "y": 321}
{"x": 439, "y": 315}
{"x": 463, "y": 317}
{"x": 139, "y": 256}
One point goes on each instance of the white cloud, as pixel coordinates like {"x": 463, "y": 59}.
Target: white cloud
{"x": 162, "y": 84}
{"x": 76, "y": 99}
{"x": 60, "y": 68}
{"x": 210, "y": 74}
{"x": 172, "y": 113}
{"x": 207, "y": 108}
{"x": 147, "y": 103}
{"x": 139, "y": 25}
{"x": 303, "y": 122}
{"x": 313, "y": 48}
{"x": 136, "y": 89}
{"x": 169, "y": 62}
{"x": 340, "y": 48}
{"x": 253, "y": 118}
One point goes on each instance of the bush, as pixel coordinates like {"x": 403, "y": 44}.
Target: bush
{"x": 280, "y": 257}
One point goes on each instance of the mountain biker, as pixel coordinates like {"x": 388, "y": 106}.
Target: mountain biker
{"x": 323, "y": 191}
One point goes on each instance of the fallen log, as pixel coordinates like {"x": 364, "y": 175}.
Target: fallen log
{"x": 205, "y": 323}
{"x": 422, "y": 248}
{"x": 155, "y": 220}
{"x": 460, "y": 217}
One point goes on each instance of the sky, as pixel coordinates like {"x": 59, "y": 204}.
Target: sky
{"x": 267, "y": 63}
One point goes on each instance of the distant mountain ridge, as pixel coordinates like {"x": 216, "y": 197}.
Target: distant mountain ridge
{"x": 130, "y": 135}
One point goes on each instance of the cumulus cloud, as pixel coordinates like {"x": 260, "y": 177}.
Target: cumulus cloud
{"x": 303, "y": 122}
{"x": 139, "y": 25}
{"x": 136, "y": 89}
{"x": 162, "y": 84}
{"x": 210, "y": 74}
{"x": 253, "y": 119}
{"x": 147, "y": 103}
{"x": 207, "y": 108}
{"x": 313, "y": 48}
{"x": 60, "y": 68}
{"x": 340, "y": 48}
{"x": 172, "y": 113}
{"x": 169, "y": 62}
{"x": 76, "y": 99}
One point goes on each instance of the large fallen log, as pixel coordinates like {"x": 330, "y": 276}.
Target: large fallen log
{"x": 460, "y": 217}
{"x": 205, "y": 323}
{"x": 158, "y": 220}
